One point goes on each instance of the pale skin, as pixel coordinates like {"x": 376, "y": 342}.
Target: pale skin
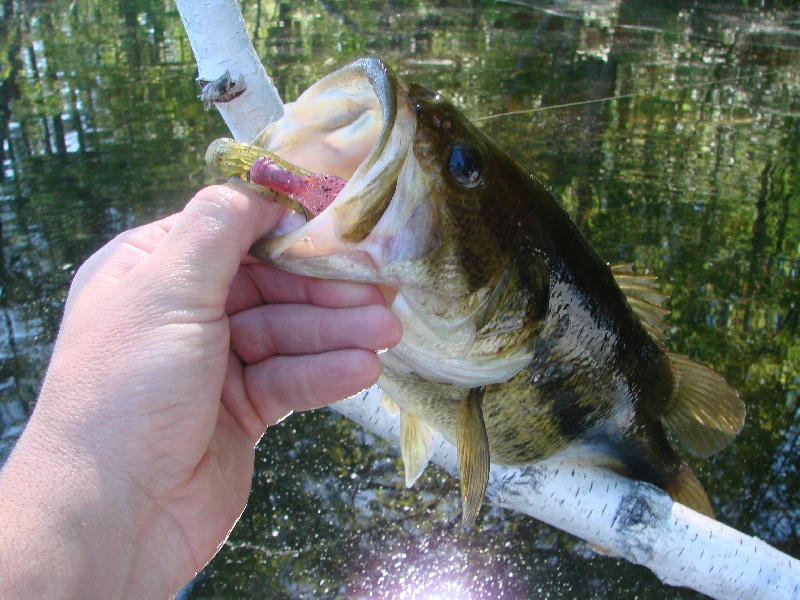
{"x": 175, "y": 354}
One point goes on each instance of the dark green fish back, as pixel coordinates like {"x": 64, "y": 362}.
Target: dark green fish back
{"x": 599, "y": 386}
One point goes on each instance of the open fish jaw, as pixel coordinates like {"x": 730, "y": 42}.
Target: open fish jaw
{"x": 354, "y": 124}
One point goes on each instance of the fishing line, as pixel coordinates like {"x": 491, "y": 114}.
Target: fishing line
{"x": 619, "y": 97}
{"x": 577, "y": 15}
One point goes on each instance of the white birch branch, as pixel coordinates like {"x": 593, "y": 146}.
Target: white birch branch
{"x": 632, "y": 519}
{"x": 220, "y": 43}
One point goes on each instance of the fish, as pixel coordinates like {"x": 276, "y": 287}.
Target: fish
{"x": 519, "y": 342}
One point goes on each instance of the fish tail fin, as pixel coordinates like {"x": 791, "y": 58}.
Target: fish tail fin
{"x": 687, "y": 489}
{"x": 705, "y": 413}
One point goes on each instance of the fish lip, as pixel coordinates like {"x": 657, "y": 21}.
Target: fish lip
{"x": 279, "y": 249}
{"x": 384, "y": 84}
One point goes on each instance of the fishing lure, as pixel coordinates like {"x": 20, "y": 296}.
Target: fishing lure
{"x": 315, "y": 191}
{"x": 308, "y": 192}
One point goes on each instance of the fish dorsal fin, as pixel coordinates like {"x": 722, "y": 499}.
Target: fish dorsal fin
{"x": 417, "y": 442}
{"x": 473, "y": 455}
{"x": 705, "y": 413}
{"x": 643, "y": 297}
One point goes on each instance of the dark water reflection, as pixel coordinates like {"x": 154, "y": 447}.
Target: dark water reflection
{"x": 691, "y": 173}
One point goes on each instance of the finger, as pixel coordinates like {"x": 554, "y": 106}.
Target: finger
{"x": 236, "y": 401}
{"x": 257, "y": 284}
{"x": 283, "y": 384}
{"x": 265, "y": 331}
{"x": 207, "y": 241}
{"x": 106, "y": 266}
{"x": 147, "y": 237}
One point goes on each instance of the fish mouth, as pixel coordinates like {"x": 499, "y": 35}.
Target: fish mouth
{"x": 357, "y": 124}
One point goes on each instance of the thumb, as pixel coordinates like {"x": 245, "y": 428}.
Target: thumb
{"x": 208, "y": 240}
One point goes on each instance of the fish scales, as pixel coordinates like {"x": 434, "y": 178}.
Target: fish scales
{"x": 520, "y": 343}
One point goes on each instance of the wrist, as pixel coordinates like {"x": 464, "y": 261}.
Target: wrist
{"x": 70, "y": 531}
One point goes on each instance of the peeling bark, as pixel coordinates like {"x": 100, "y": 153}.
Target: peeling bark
{"x": 220, "y": 43}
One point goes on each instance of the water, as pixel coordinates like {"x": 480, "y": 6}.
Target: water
{"x": 690, "y": 172}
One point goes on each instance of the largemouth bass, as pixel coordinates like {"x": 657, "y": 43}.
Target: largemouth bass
{"x": 519, "y": 342}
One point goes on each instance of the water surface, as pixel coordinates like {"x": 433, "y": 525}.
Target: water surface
{"x": 689, "y": 171}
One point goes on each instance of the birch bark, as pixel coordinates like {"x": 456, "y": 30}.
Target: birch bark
{"x": 220, "y": 43}
{"x": 632, "y": 519}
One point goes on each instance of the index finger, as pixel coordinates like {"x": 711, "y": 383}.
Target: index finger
{"x": 257, "y": 284}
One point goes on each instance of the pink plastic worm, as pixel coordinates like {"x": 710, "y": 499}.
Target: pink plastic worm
{"x": 314, "y": 191}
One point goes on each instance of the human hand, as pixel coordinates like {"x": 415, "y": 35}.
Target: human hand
{"x": 175, "y": 353}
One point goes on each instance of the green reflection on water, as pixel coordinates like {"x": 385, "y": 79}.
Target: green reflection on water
{"x": 693, "y": 178}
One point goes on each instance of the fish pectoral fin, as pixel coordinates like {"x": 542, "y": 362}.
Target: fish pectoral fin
{"x": 705, "y": 413}
{"x": 687, "y": 489}
{"x": 417, "y": 441}
{"x": 473, "y": 455}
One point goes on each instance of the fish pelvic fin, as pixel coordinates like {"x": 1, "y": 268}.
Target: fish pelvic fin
{"x": 473, "y": 456}
{"x": 705, "y": 413}
{"x": 417, "y": 441}
{"x": 687, "y": 489}
{"x": 390, "y": 405}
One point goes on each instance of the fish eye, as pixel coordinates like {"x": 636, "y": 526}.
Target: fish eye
{"x": 465, "y": 165}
